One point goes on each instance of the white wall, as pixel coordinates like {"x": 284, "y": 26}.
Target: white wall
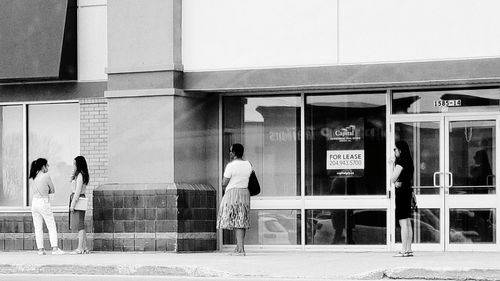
{"x": 407, "y": 30}
{"x": 221, "y": 34}
{"x": 232, "y": 34}
{"x": 92, "y": 40}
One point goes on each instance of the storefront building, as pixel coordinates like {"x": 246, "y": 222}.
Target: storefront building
{"x": 317, "y": 93}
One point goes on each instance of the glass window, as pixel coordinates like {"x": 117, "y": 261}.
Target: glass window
{"x": 423, "y": 140}
{"x": 478, "y": 100}
{"x": 346, "y": 226}
{"x": 472, "y": 226}
{"x": 270, "y": 227}
{"x": 269, "y": 129}
{"x": 345, "y": 144}
{"x": 54, "y": 134}
{"x": 11, "y": 161}
{"x": 425, "y": 226}
{"x": 473, "y": 156}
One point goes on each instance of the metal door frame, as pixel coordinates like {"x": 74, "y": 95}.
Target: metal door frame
{"x": 444, "y": 201}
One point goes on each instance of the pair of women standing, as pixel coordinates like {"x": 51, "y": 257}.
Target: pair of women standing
{"x": 42, "y": 186}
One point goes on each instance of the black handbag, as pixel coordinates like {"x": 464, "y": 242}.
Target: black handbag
{"x": 414, "y": 206}
{"x": 253, "y": 184}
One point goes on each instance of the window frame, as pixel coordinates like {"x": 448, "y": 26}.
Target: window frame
{"x": 25, "y": 207}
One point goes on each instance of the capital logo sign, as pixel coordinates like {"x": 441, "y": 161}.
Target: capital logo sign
{"x": 345, "y": 154}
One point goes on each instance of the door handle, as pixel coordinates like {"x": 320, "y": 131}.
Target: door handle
{"x": 450, "y": 182}
{"x": 434, "y": 179}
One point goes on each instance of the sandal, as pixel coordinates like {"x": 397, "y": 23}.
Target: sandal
{"x": 402, "y": 255}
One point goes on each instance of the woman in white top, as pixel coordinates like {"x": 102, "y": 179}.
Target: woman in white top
{"x": 80, "y": 179}
{"x": 234, "y": 208}
{"x": 41, "y": 210}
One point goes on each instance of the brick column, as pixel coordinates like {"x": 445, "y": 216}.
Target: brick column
{"x": 94, "y": 147}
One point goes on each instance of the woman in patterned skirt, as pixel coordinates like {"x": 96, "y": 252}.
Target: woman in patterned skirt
{"x": 235, "y": 204}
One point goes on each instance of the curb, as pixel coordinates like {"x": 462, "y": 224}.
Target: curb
{"x": 151, "y": 270}
{"x": 433, "y": 274}
{"x": 198, "y": 271}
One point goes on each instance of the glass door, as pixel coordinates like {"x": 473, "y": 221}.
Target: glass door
{"x": 424, "y": 136}
{"x": 470, "y": 194}
{"x": 454, "y": 180}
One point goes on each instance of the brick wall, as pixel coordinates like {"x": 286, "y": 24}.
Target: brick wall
{"x": 94, "y": 141}
{"x": 17, "y": 232}
{"x": 155, "y": 217}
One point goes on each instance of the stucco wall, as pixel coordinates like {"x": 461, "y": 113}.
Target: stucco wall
{"x": 92, "y": 40}
{"x": 228, "y": 34}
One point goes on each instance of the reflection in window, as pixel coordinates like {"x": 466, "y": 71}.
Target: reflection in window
{"x": 345, "y": 144}
{"x": 472, "y": 226}
{"x": 269, "y": 129}
{"x": 270, "y": 227}
{"x": 477, "y": 100}
{"x": 11, "y": 161}
{"x": 340, "y": 226}
{"x": 54, "y": 134}
{"x": 425, "y": 226}
{"x": 423, "y": 139}
{"x": 473, "y": 156}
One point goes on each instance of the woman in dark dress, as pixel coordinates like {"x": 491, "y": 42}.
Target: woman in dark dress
{"x": 402, "y": 178}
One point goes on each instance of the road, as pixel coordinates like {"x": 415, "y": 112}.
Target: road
{"x": 65, "y": 277}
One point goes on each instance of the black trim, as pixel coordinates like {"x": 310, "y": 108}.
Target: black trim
{"x": 51, "y": 91}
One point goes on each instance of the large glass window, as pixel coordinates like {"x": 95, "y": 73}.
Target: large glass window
{"x": 270, "y": 227}
{"x": 53, "y": 132}
{"x": 11, "y": 161}
{"x": 345, "y": 144}
{"x": 269, "y": 129}
{"x": 346, "y": 226}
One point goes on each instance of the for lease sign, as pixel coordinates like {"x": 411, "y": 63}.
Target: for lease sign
{"x": 345, "y": 159}
{"x": 345, "y": 153}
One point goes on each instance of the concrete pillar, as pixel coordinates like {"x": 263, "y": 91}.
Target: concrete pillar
{"x": 159, "y": 164}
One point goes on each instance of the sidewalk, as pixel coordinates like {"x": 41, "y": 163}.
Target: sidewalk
{"x": 307, "y": 265}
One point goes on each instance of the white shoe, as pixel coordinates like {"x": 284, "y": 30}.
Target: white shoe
{"x": 41, "y": 252}
{"x": 58, "y": 252}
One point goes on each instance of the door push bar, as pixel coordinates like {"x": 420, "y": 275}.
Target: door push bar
{"x": 434, "y": 181}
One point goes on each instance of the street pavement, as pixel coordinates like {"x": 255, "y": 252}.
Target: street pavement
{"x": 279, "y": 265}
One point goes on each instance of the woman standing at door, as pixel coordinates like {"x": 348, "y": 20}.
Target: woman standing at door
{"x": 234, "y": 208}
{"x": 402, "y": 178}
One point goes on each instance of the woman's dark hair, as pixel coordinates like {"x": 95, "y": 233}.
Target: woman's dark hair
{"x": 36, "y": 166}
{"x": 405, "y": 155}
{"x": 81, "y": 168}
{"x": 237, "y": 149}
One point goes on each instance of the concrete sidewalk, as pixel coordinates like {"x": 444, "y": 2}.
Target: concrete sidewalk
{"x": 307, "y": 265}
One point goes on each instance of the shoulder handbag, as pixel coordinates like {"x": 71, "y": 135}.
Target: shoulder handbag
{"x": 253, "y": 184}
{"x": 81, "y": 204}
{"x": 414, "y": 205}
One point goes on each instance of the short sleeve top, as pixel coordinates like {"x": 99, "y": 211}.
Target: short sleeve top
{"x": 41, "y": 185}
{"x": 406, "y": 176}
{"x": 77, "y": 181}
{"x": 238, "y": 172}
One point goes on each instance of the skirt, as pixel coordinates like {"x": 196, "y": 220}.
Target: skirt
{"x": 76, "y": 218}
{"x": 234, "y": 210}
{"x": 403, "y": 203}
